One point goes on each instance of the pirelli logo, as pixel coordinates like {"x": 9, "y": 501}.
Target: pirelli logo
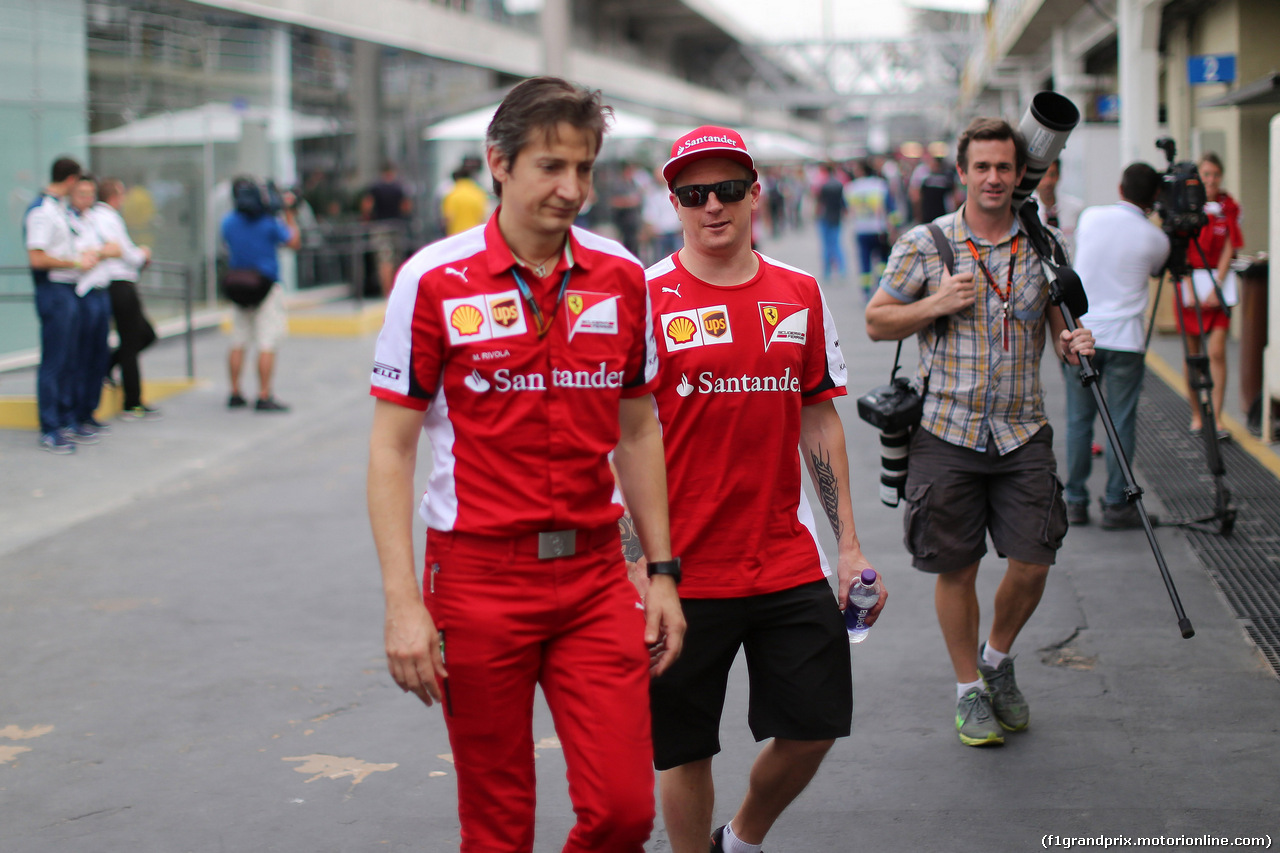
{"x": 386, "y": 370}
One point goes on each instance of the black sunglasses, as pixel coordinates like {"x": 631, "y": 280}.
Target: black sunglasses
{"x": 696, "y": 195}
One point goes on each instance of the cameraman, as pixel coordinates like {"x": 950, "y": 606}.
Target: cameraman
{"x": 983, "y": 458}
{"x": 1118, "y": 252}
{"x": 1211, "y": 253}
{"x": 252, "y": 233}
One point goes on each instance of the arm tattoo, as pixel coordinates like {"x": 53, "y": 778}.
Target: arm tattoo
{"x": 631, "y": 550}
{"x": 827, "y": 489}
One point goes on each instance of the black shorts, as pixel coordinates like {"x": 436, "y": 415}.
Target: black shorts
{"x": 797, "y": 653}
{"x": 955, "y": 495}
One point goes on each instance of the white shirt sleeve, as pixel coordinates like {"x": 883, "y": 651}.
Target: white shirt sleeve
{"x": 113, "y": 230}
{"x": 41, "y": 228}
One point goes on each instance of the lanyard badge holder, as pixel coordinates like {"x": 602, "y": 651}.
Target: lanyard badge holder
{"x": 1006, "y": 296}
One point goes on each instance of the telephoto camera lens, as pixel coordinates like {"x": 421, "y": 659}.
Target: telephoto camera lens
{"x": 893, "y": 466}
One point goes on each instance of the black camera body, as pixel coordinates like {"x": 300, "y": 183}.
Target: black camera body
{"x": 892, "y": 408}
{"x": 895, "y": 410}
{"x": 1181, "y": 201}
{"x": 1180, "y": 205}
{"x": 255, "y": 200}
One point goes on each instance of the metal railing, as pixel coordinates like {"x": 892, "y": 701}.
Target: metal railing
{"x": 151, "y": 283}
{"x": 336, "y": 252}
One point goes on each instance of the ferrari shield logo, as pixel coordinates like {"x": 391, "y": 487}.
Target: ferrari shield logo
{"x": 575, "y": 303}
{"x": 771, "y": 315}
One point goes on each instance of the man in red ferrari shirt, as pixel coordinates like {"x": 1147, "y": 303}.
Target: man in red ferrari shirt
{"x": 524, "y": 349}
{"x": 750, "y": 365}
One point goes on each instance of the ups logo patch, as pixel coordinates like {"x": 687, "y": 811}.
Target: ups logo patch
{"x": 715, "y": 323}
{"x": 506, "y": 312}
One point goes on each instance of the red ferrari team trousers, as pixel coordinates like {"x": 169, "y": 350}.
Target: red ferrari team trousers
{"x": 510, "y": 621}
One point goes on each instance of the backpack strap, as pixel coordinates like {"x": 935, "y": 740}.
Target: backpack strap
{"x": 948, "y": 258}
{"x": 945, "y": 251}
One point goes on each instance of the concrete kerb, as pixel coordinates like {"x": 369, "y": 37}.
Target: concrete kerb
{"x": 324, "y": 312}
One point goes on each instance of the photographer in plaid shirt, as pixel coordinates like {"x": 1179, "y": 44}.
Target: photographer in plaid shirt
{"x": 983, "y": 459}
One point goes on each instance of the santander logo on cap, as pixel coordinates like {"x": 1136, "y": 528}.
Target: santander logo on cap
{"x": 703, "y": 142}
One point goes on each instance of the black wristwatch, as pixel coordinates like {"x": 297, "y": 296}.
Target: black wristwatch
{"x": 666, "y": 567}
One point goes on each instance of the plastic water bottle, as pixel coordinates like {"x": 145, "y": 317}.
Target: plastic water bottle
{"x": 862, "y": 597}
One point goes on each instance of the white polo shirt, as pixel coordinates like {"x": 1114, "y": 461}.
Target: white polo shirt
{"x": 110, "y": 227}
{"x": 49, "y": 227}
{"x": 1117, "y": 251}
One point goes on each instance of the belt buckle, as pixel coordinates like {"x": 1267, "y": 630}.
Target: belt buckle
{"x": 557, "y": 543}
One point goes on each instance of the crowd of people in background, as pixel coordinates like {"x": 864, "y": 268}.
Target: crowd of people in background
{"x": 78, "y": 239}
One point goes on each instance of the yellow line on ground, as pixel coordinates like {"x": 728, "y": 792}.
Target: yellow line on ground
{"x": 1239, "y": 434}
{"x": 18, "y": 411}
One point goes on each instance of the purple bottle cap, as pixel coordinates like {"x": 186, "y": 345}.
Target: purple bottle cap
{"x": 869, "y": 577}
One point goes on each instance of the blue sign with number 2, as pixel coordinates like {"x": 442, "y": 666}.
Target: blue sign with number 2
{"x": 1211, "y": 68}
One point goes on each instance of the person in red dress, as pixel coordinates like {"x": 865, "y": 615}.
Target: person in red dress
{"x": 1213, "y": 250}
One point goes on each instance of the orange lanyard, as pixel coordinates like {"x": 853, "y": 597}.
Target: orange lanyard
{"x": 1007, "y": 295}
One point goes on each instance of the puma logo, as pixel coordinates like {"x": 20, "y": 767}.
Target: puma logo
{"x": 451, "y": 271}
{"x": 676, "y": 291}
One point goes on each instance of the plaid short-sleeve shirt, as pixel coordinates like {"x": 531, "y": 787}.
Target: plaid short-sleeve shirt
{"x": 977, "y": 390}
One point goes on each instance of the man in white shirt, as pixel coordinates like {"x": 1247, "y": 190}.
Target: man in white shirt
{"x": 1117, "y": 251}
{"x": 135, "y": 331}
{"x": 50, "y": 233}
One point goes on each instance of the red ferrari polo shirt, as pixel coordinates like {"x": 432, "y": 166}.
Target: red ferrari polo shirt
{"x": 521, "y": 425}
{"x": 738, "y": 364}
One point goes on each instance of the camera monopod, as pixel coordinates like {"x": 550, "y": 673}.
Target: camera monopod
{"x": 1046, "y": 125}
{"x": 1181, "y": 207}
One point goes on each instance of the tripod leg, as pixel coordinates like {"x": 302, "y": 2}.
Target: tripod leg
{"x": 1089, "y": 376}
{"x": 1201, "y": 385}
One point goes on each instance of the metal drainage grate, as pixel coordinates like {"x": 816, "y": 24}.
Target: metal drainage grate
{"x": 1244, "y": 565}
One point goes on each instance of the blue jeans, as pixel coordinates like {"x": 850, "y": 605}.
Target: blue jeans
{"x": 832, "y": 254}
{"x": 94, "y": 351}
{"x": 868, "y": 243}
{"x": 59, "y": 310}
{"x": 1121, "y": 378}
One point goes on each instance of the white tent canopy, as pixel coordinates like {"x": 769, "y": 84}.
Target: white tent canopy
{"x": 771, "y": 146}
{"x": 211, "y": 122}
{"x": 471, "y": 127}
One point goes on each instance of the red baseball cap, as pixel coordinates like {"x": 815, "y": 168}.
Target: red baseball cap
{"x": 703, "y": 142}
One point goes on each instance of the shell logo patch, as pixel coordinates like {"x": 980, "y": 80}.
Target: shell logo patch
{"x": 591, "y": 313}
{"x": 783, "y": 322}
{"x": 696, "y": 327}
{"x": 484, "y": 317}
{"x": 681, "y": 330}
{"x": 467, "y": 319}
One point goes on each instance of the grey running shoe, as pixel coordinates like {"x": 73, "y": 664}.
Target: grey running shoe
{"x": 98, "y": 426}
{"x": 55, "y": 443}
{"x": 1006, "y": 699}
{"x": 1077, "y": 514}
{"x": 269, "y": 404}
{"x": 975, "y": 721}
{"x": 80, "y": 434}
{"x": 1123, "y": 517}
{"x": 141, "y": 413}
